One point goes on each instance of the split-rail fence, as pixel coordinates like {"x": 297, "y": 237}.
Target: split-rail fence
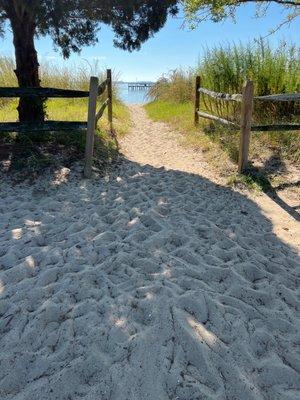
{"x": 246, "y": 99}
{"x": 95, "y": 90}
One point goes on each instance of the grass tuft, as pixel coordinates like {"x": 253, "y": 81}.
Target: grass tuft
{"x": 38, "y": 151}
{"x": 253, "y": 180}
{"x": 225, "y": 69}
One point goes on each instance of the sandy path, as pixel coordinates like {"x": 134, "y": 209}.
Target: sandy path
{"x": 155, "y": 143}
{"x": 149, "y": 284}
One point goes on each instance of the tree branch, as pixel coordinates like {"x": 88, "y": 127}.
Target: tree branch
{"x": 292, "y": 3}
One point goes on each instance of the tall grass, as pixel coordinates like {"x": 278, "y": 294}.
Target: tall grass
{"x": 176, "y": 86}
{"x": 52, "y": 75}
{"x": 224, "y": 69}
{"x": 7, "y": 76}
{"x": 76, "y": 77}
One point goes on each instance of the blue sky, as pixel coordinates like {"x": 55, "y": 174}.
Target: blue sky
{"x": 170, "y": 48}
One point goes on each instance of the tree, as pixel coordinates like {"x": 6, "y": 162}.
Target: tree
{"x": 73, "y": 24}
{"x": 217, "y": 10}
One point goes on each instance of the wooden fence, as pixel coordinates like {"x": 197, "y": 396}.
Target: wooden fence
{"x": 245, "y": 126}
{"x": 95, "y": 90}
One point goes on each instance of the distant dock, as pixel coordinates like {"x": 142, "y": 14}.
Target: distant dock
{"x": 140, "y": 85}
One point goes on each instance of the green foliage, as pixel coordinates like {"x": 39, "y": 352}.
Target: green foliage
{"x": 7, "y": 76}
{"x": 35, "y": 152}
{"x": 197, "y": 11}
{"x": 254, "y": 180}
{"x": 73, "y": 24}
{"x": 168, "y": 111}
{"x": 220, "y": 146}
{"x": 176, "y": 86}
{"x": 224, "y": 69}
{"x": 76, "y": 77}
{"x": 64, "y": 109}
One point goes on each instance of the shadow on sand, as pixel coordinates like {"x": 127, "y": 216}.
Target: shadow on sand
{"x": 275, "y": 165}
{"x": 145, "y": 284}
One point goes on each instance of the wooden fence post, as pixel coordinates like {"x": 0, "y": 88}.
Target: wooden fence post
{"x": 246, "y": 120}
{"x": 197, "y": 99}
{"x": 91, "y": 126}
{"x": 109, "y": 106}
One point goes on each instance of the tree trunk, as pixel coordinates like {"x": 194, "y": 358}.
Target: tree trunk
{"x": 31, "y": 109}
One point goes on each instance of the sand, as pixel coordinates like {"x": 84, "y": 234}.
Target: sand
{"x": 153, "y": 282}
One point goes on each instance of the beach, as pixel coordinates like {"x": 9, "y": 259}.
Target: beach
{"x": 155, "y": 281}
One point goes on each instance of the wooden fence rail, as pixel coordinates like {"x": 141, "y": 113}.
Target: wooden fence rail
{"x": 41, "y": 92}
{"x": 42, "y": 127}
{"x": 246, "y": 98}
{"x": 275, "y": 127}
{"x": 101, "y": 110}
{"x": 279, "y": 97}
{"x": 217, "y": 119}
{"x": 95, "y": 90}
{"x": 221, "y": 96}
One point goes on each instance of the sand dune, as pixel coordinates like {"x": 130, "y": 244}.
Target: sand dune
{"x": 146, "y": 284}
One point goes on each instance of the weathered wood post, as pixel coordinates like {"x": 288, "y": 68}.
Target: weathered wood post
{"x": 109, "y": 106}
{"x": 246, "y": 120}
{"x": 197, "y": 99}
{"x": 91, "y": 126}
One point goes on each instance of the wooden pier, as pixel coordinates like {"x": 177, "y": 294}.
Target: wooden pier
{"x": 139, "y": 85}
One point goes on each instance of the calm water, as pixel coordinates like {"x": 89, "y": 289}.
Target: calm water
{"x": 130, "y": 96}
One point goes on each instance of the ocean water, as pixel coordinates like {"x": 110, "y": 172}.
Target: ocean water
{"x": 130, "y": 96}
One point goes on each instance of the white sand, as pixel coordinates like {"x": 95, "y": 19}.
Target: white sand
{"x": 150, "y": 284}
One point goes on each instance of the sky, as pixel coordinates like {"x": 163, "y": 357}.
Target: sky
{"x": 172, "y": 47}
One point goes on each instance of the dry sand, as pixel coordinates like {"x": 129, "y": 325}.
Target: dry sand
{"x": 155, "y": 282}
